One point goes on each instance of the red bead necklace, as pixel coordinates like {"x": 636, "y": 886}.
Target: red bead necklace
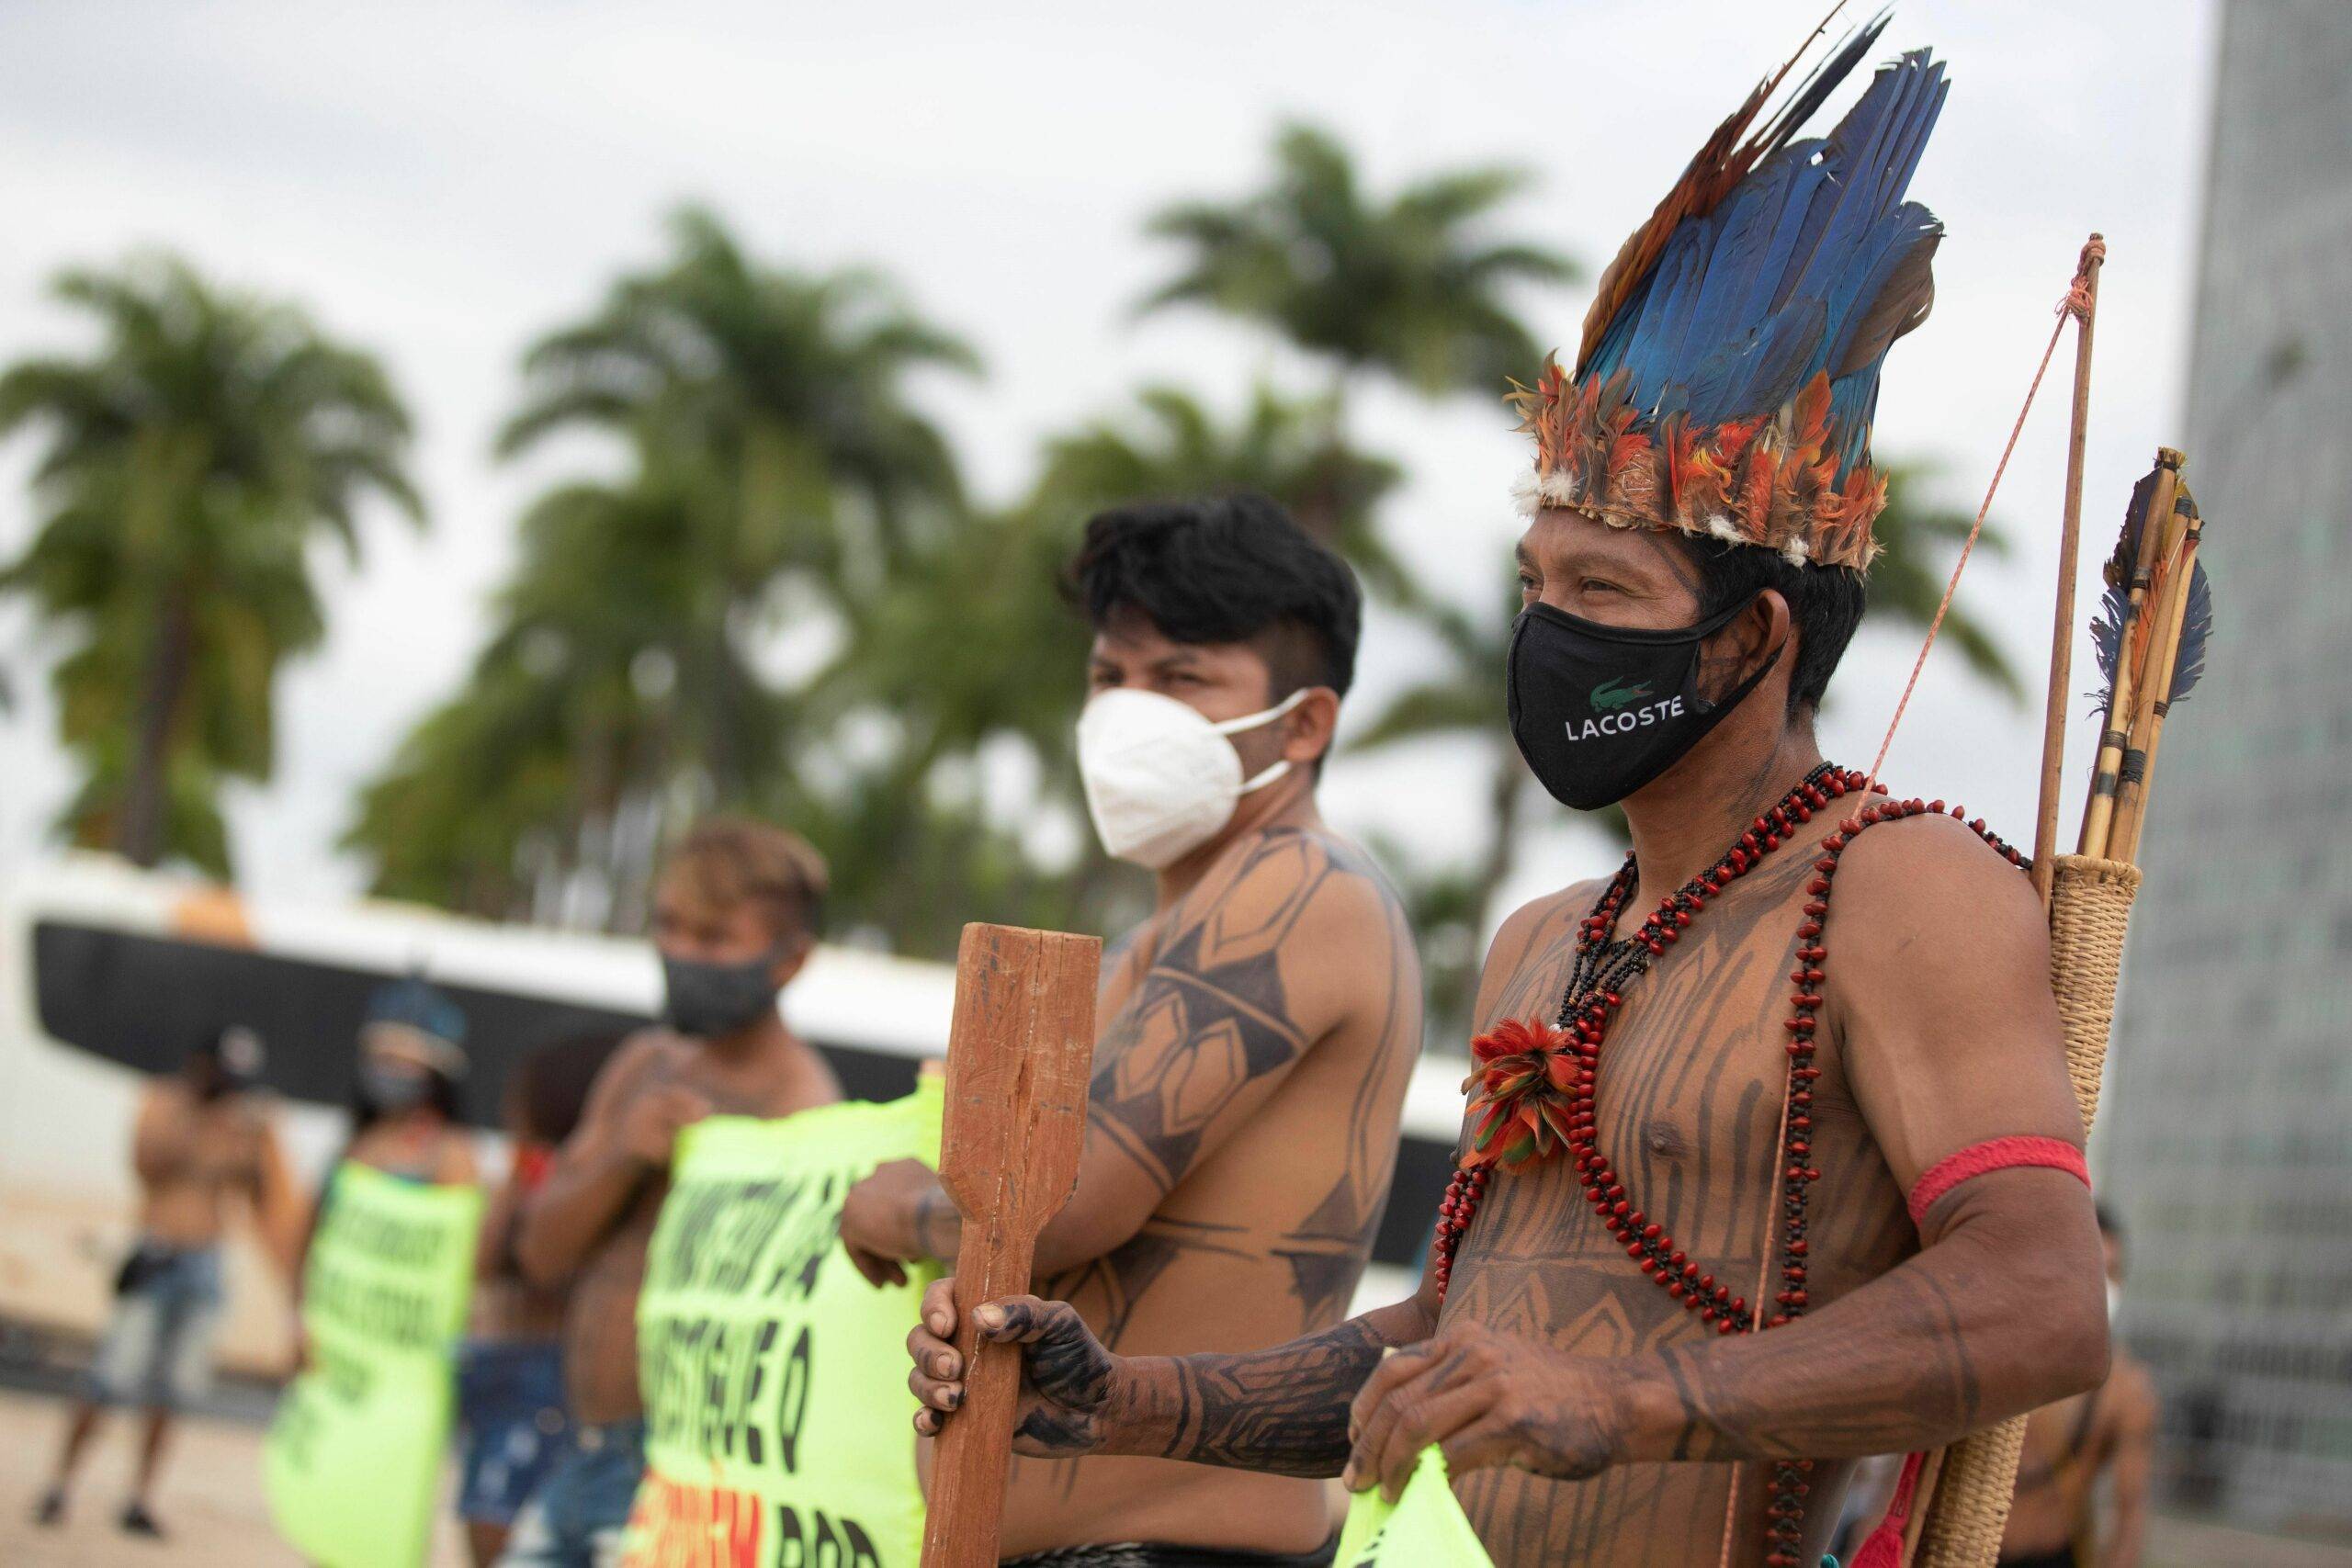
{"x": 1602, "y": 969}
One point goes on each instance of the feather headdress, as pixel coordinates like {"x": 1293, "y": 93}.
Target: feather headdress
{"x": 1729, "y": 366}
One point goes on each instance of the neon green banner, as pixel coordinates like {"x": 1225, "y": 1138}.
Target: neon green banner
{"x": 1423, "y": 1528}
{"x": 352, "y": 1465}
{"x": 778, "y": 1424}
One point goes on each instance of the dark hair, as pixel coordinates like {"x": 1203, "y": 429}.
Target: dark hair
{"x": 551, "y": 1084}
{"x": 2107, "y": 1224}
{"x": 1825, "y": 606}
{"x": 1226, "y": 569}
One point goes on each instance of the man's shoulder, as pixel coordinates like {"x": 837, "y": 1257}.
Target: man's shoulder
{"x": 1928, "y": 872}
{"x": 1285, "y": 872}
{"x": 1540, "y": 913}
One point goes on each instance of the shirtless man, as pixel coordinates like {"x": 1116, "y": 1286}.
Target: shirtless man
{"x": 2068, "y": 1446}
{"x": 734, "y": 918}
{"x": 1258, "y": 1029}
{"x": 202, "y": 1147}
{"x": 1584, "y": 1344}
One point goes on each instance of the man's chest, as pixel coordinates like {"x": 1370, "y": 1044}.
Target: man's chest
{"x": 225, "y": 1151}
{"x": 1688, "y": 1134}
{"x": 1693, "y": 1111}
{"x": 762, "y": 1090}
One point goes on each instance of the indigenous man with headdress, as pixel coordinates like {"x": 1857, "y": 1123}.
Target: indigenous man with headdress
{"x": 1755, "y": 1180}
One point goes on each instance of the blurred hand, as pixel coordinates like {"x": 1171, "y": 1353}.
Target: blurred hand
{"x": 650, "y": 1126}
{"x": 1068, "y": 1379}
{"x": 882, "y": 1219}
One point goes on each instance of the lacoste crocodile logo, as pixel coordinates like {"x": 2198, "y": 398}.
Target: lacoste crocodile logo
{"x": 1609, "y": 696}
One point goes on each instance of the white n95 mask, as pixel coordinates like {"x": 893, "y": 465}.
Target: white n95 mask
{"x": 1160, "y": 776}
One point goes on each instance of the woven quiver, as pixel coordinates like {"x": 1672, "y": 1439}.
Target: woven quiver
{"x": 2090, "y": 904}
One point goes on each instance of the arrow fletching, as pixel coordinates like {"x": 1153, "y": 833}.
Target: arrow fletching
{"x": 2196, "y": 629}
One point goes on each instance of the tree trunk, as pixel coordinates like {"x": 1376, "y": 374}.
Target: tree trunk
{"x": 140, "y": 832}
{"x": 1317, "y": 513}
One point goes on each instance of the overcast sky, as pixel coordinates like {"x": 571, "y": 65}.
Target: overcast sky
{"x": 441, "y": 182}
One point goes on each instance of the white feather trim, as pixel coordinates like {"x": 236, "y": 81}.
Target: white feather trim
{"x": 1526, "y": 493}
{"x": 1533, "y": 491}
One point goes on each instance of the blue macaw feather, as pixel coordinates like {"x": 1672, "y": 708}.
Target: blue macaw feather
{"x": 1721, "y": 388}
{"x": 1823, "y": 81}
{"x": 1814, "y": 263}
{"x": 2195, "y": 631}
{"x": 2106, "y": 643}
{"x": 2188, "y": 661}
{"x": 1811, "y": 195}
{"x": 1738, "y": 253}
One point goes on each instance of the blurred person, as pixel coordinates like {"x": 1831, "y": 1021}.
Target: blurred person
{"x": 2110, "y": 1431}
{"x": 407, "y": 1106}
{"x": 511, "y": 1406}
{"x": 1256, "y": 1032}
{"x": 407, "y": 1113}
{"x": 204, "y": 1144}
{"x": 1769, "y": 1160}
{"x": 735, "y": 915}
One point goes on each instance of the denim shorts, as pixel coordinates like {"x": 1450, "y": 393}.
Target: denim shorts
{"x": 511, "y": 1407}
{"x": 578, "y": 1515}
{"x": 158, "y": 1346}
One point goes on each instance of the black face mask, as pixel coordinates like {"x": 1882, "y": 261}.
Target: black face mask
{"x": 707, "y": 1001}
{"x": 391, "y": 1090}
{"x": 1599, "y": 711}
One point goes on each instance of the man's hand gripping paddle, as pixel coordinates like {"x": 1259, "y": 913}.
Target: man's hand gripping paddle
{"x": 1019, "y": 1054}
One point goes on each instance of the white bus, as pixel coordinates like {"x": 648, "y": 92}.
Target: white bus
{"x": 108, "y": 975}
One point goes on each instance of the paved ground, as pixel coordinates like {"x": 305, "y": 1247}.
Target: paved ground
{"x": 210, "y": 1498}
{"x": 211, "y": 1502}
{"x": 2179, "y": 1543}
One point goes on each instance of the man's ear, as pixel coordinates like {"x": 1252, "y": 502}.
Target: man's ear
{"x": 1737, "y": 651}
{"x": 1307, "y": 728}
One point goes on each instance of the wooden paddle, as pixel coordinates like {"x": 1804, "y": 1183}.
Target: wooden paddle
{"x": 1020, "y": 1052}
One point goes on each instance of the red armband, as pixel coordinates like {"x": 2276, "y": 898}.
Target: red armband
{"x": 1994, "y": 1154}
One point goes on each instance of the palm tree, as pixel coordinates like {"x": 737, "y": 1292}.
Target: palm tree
{"x": 781, "y": 478}
{"x": 604, "y": 692}
{"x": 1465, "y": 700}
{"x": 474, "y": 811}
{"x": 1411, "y": 287}
{"x": 768, "y": 411}
{"x": 189, "y": 464}
{"x": 791, "y": 387}
{"x": 1174, "y": 446}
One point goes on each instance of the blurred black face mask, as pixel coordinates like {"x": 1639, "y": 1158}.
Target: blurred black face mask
{"x": 1599, "y": 711}
{"x": 387, "y": 1090}
{"x": 707, "y": 1000}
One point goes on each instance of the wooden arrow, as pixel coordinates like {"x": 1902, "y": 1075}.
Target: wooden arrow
{"x": 1020, "y": 1052}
